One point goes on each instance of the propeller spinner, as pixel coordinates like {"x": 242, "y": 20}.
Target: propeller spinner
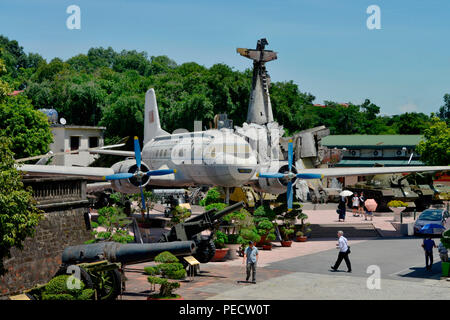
{"x": 290, "y": 175}
{"x": 138, "y": 174}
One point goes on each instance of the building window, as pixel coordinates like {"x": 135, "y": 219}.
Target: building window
{"x": 93, "y": 142}
{"x": 74, "y": 143}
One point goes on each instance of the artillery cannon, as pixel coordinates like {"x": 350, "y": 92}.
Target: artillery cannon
{"x": 192, "y": 228}
{"x": 100, "y": 265}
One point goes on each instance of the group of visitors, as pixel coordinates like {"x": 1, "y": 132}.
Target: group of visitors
{"x": 358, "y": 207}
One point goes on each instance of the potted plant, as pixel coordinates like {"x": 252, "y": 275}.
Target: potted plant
{"x": 263, "y": 217}
{"x": 397, "y": 207}
{"x": 220, "y": 239}
{"x": 300, "y": 237}
{"x": 248, "y": 234}
{"x": 286, "y": 232}
{"x": 305, "y": 229}
{"x": 446, "y": 243}
{"x": 233, "y": 224}
{"x": 111, "y": 225}
{"x": 167, "y": 267}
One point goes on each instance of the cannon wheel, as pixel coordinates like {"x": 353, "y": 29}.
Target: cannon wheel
{"x": 109, "y": 284}
{"x": 205, "y": 251}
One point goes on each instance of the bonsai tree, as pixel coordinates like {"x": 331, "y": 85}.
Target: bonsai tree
{"x": 304, "y": 226}
{"x": 238, "y": 221}
{"x": 167, "y": 267}
{"x": 212, "y": 196}
{"x": 288, "y": 218}
{"x": 220, "y": 239}
{"x": 57, "y": 289}
{"x": 263, "y": 217}
{"x": 115, "y": 223}
{"x": 179, "y": 215}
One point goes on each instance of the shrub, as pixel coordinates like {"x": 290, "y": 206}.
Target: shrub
{"x": 179, "y": 215}
{"x": 219, "y": 206}
{"x": 166, "y": 287}
{"x": 166, "y": 257}
{"x": 212, "y": 196}
{"x": 151, "y": 270}
{"x": 57, "y": 289}
{"x": 220, "y": 239}
{"x": 396, "y": 204}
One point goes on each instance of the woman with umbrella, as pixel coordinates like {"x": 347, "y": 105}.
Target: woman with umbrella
{"x": 370, "y": 206}
{"x": 342, "y": 206}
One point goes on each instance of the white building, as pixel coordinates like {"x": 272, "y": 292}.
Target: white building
{"x": 71, "y": 138}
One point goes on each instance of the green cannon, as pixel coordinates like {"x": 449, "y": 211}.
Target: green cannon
{"x": 100, "y": 265}
{"x": 192, "y": 228}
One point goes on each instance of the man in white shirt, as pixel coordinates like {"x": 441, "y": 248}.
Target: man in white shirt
{"x": 344, "y": 251}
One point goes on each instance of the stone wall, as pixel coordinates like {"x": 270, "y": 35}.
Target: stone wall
{"x": 63, "y": 225}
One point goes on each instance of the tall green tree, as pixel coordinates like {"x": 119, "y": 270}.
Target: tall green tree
{"x": 27, "y": 128}
{"x": 444, "y": 111}
{"x": 19, "y": 215}
{"x": 435, "y": 148}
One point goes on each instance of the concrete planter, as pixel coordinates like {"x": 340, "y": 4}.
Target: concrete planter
{"x": 397, "y": 211}
{"x": 232, "y": 251}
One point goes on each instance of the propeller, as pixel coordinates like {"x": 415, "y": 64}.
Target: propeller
{"x": 138, "y": 174}
{"x": 290, "y": 176}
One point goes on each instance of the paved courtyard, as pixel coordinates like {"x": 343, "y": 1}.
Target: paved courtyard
{"x": 303, "y": 270}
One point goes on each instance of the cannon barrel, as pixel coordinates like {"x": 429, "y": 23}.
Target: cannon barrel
{"x": 227, "y": 210}
{"x": 129, "y": 253}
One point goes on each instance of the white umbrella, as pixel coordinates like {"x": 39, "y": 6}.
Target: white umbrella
{"x": 346, "y": 193}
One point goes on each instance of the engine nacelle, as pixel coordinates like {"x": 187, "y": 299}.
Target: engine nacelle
{"x": 274, "y": 185}
{"x": 130, "y": 185}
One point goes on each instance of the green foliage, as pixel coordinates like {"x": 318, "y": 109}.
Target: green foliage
{"x": 446, "y": 239}
{"x": 444, "y": 111}
{"x": 435, "y": 148}
{"x": 212, "y": 196}
{"x": 27, "y": 128}
{"x": 19, "y": 214}
{"x": 166, "y": 257}
{"x": 264, "y": 212}
{"x": 396, "y": 204}
{"x": 115, "y": 222}
{"x": 250, "y": 234}
{"x": 220, "y": 239}
{"x": 219, "y": 206}
{"x": 168, "y": 267}
{"x": 57, "y": 289}
{"x": 179, "y": 215}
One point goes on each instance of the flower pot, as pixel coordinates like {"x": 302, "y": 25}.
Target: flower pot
{"x": 232, "y": 253}
{"x": 220, "y": 254}
{"x": 267, "y": 246}
{"x": 301, "y": 238}
{"x": 397, "y": 212}
{"x": 286, "y": 243}
{"x": 261, "y": 242}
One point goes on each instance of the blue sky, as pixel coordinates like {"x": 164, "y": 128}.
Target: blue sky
{"x": 323, "y": 46}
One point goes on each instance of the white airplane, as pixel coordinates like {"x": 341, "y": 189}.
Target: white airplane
{"x": 216, "y": 157}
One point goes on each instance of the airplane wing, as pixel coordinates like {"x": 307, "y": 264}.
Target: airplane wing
{"x": 121, "y": 153}
{"x": 89, "y": 173}
{"x": 341, "y": 172}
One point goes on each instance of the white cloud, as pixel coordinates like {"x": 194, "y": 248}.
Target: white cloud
{"x": 409, "y": 107}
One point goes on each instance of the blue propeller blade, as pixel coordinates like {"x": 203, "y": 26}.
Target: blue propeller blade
{"x": 271, "y": 175}
{"x": 142, "y": 197}
{"x": 309, "y": 176}
{"x": 160, "y": 172}
{"x": 137, "y": 152}
{"x": 118, "y": 176}
{"x": 289, "y": 195}
{"x": 290, "y": 154}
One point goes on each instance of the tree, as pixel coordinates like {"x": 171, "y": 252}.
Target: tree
{"x": 27, "y": 128}
{"x": 435, "y": 148}
{"x": 19, "y": 214}
{"x": 444, "y": 111}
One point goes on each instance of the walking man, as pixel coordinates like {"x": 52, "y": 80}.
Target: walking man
{"x": 251, "y": 253}
{"x": 344, "y": 251}
{"x": 428, "y": 245}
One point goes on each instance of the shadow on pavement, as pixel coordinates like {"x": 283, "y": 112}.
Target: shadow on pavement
{"x": 422, "y": 273}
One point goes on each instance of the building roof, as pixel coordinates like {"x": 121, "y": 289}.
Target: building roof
{"x": 371, "y": 163}
{"x": 373, "y": 141}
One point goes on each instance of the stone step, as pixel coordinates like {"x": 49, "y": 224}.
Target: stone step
{"x": 360, "y": 230}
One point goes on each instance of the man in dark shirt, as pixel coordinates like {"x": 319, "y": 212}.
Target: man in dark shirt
{"x": 428, "y": 245}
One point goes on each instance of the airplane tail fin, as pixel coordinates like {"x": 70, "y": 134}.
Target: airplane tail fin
{"x": 152, "y": 124}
